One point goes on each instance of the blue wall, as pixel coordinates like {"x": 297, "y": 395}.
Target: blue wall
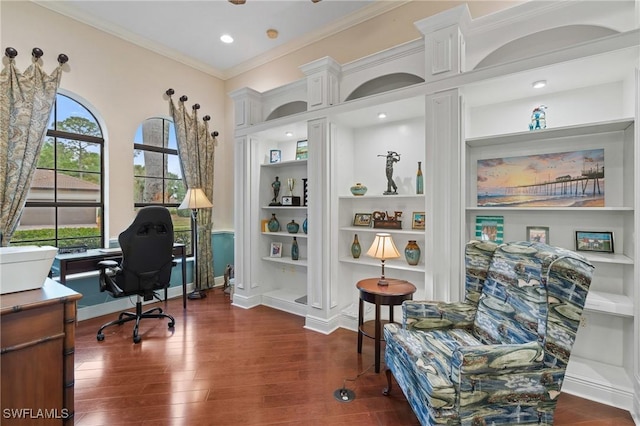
{"x": 88, "y": 286}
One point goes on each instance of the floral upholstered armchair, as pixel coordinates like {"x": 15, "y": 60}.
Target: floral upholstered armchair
{"x": 498, "y": 357}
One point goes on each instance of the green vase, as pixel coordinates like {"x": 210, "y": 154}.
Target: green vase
{"x": 356, "y": 250}
{"x": 273, "y": 225}
{"x": 412, "y": 253}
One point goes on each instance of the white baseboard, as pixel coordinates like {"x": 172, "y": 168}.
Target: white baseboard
{"x": 322, "y": 325}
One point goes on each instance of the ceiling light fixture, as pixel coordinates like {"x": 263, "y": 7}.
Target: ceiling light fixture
{"x": 539, "y": 84}
{"x": 289, "y": 134}
{"x": 226, "y": 38}
{"x": 382, "y": 115}
{"x": 271, "y": 33}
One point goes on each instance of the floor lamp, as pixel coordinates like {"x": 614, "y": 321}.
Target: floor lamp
{"x": 195, "y": 199}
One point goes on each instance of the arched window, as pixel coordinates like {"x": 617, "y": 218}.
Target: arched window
{"x": 158, "y": 175}
{"x": 65, "y": 201}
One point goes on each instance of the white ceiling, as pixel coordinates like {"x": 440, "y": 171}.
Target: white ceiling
{"x": 190, "y": 30}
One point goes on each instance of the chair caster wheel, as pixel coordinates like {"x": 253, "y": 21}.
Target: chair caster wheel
{"x": 100, "y": 337}
{"x": 172, "y": 324}
{"x": 136, "y": 339}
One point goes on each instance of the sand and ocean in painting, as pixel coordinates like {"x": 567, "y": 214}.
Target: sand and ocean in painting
{"x": 565, "y": 179}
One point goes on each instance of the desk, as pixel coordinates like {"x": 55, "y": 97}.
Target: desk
{"x": 391, "y": 295}
{"x": 75, "y": 263}
{"x": 38, "y": 341}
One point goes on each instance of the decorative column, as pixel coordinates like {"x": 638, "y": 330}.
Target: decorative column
{"x": 323, "y": 82}
{"x": 247, "y": 107}
{"x": 444, "y": 42}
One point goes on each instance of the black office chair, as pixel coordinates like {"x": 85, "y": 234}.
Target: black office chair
{"x": 147, "y": 259}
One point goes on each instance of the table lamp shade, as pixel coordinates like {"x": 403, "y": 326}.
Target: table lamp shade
{"x": 383, "y": 247}
{"x": 195, "y": 199}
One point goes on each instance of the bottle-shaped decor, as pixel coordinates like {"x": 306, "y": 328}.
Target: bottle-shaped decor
{"x": 295, "y": 251}
{"x": 412, "y": 252}
{"x": 356, "y": 250}
{"x": 273, "y": 225}
{"x": 292, "y": 227}
{"x": 304, "y": 225}
{"x": 419, "y": 179}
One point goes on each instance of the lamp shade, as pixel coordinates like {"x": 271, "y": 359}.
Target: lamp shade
{"x": 195, "y": 199}
{"x": 383, "y": 247}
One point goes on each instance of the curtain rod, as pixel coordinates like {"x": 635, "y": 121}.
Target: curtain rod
{"x": 195, "y": 107}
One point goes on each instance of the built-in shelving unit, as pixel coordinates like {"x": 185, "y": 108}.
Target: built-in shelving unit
{"x": 466, "y": 110}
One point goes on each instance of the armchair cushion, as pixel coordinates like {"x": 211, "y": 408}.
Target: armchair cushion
{"x": 422, "y": 315}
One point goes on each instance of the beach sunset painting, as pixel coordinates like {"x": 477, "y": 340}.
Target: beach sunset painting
{"x": 562, "y": 179}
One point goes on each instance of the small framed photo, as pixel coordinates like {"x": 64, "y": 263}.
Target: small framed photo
{"x": 276, "y": 250}
{"x": 538, "y": 234}
{"x": 362, "y": 219}
{"x": 594, "y": 241}
{"x": 302, "y": 152}
{"x": 490, "y": 228}
{"x": 275, "y": 156}
{"x": 418, "y": 220}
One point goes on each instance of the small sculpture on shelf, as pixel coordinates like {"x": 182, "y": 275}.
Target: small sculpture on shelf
{"x": 386, "y": 220}
{"x": 538, "y": 118}
{"x": 275, "y": 185}
{"x": 392, "y": 157}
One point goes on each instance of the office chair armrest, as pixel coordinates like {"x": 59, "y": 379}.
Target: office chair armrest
{"x": 108, "y": 270}
{"x": 104, "y": 264}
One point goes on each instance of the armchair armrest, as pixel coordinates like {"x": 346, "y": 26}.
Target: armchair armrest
{"x": 425, "y": 315}
{"x": 497, "y": 358}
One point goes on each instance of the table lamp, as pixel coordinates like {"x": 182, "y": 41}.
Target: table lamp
{"x": 383, "y": 248}
{"x": 195, "y": 199}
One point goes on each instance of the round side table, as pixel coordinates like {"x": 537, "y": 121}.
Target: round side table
{"x": 390, "y": 295}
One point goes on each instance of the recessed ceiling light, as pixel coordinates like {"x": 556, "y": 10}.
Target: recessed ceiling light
{"x": 539, "y": 84}
{"x": 382, "y": 115}
{"x": 289, "y": 134}
{"x": 226, "y": 38}
{"x": 272, "y": 33}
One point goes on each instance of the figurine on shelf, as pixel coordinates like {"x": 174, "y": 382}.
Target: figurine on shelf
{"x": 538, "y": 118}
{"x": 275, "y": 185}
{"x": 392, "y": 157}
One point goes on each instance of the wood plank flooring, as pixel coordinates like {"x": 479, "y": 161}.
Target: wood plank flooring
{"x": 224, "y": 365}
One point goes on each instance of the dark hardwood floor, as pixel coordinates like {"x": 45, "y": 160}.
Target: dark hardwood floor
{"x": 224, "y": 365}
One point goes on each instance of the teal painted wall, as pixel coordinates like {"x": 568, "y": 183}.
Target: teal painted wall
{"x": 88, "y": 286}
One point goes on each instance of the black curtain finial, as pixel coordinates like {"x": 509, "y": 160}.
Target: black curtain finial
{"x": 215, "y": 133}
{"x": 206, "y": 118}
{"x": 184, "y": 98}
{"x": 37, "y": 53}
{"x": 63, "y": 59}
{"x": 195, "y": 107}
{"x": 10, "y": 52}
{"x": 170, "y": 92}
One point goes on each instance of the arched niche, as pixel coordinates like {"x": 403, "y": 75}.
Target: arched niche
{"x": 384, "y": 83}
{"x": 543, "y": 41}
{"x": 288, "y": 109}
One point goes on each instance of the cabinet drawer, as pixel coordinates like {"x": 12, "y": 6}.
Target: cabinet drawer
{"x": 19, "y": 328}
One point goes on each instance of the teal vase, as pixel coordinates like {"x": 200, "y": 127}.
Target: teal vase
{"x": 412, "y": 253}
{"x": 293, "y": 227}
{"x": 304, "y": 225}
{"x": 419, "y": 180}
{"x": 273, "y": 225}
{"x": 356, "y": 250}
{"x": 295, "y": 250}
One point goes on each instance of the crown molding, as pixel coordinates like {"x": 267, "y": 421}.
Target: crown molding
{"x": 377, "y": 8}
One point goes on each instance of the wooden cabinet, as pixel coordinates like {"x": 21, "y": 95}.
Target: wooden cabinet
{"x": 37, "y": 362}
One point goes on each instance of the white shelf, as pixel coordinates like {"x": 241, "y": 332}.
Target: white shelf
{"x": 551, "y": 133}
{"x": 615, "y": 258}
{"x": 286, "y": 234}
{"x": 609, "y": 303}
{"x": 285, "y": 163}
{"x": 399, "y": 265}
{"x": 414, "y": 232}
{"x": 286, "y": 260}
{"x": 380, "y": 197}
{"x": 284, "y": 207}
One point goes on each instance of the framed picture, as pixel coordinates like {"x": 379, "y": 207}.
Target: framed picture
{"x": 490, "y": 228}
{"x": 594, "y": 241}
{"x": 543, "y": 180}
{"x": 538, "y": 234}
{"x": 362, "y": 219}
{"x": 276, "y": 250}
{"x": 418, "y": 220}
{"x": 275, "y": 156}
{"x": 302, "y": 150}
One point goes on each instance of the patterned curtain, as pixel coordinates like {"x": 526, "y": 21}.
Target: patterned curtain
{"x": 26, "y": 100}
{"x": 196, "y": 148}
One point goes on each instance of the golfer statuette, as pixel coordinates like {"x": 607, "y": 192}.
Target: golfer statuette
{"x": 392, "y": 157}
